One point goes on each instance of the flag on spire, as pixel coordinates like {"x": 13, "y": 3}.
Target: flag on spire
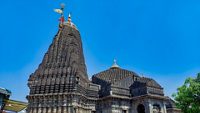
{"x": 58, "y": 11}
{"x": 61, "y": 11}
{"x": 62, "y": 19}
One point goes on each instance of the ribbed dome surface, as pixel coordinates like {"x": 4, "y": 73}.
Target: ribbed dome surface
{"x": 149, "y": 82}
{"x": 114, "y": 74}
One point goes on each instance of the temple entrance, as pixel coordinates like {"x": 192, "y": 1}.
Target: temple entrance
{"x": 124, "y": 111}
{"x": 141, "y": 108}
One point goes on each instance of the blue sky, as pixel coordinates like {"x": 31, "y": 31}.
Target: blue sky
{"x": 158, "y": 38}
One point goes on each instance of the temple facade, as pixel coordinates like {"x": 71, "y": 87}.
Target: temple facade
{"x": 60, "y": 84}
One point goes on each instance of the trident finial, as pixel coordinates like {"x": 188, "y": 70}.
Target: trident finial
{"x": 62, "y": 5}
{"x": 61, "y": 11}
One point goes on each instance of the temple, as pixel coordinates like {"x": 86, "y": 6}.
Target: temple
{"x": 60, "y": 84}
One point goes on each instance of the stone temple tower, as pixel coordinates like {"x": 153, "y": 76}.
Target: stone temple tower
{"x": 61, "y": 84}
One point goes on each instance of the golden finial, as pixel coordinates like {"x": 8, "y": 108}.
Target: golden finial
{"x": 69, "y": 22}
{"x": 115, "y": 65}
{"x": 69, "y": 18}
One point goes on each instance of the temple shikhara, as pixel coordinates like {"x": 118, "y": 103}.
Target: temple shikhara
{"x": 60, "y": 84}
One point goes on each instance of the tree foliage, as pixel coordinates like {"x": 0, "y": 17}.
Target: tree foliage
{"x": 188, "y": 95}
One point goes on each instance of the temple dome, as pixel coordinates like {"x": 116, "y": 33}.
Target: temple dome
{"x": 117, "y": 76}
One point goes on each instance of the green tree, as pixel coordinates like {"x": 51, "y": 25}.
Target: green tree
{"x": 187, "y": 97}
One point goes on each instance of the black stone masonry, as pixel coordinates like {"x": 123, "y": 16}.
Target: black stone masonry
{"x": 60, "y": 84}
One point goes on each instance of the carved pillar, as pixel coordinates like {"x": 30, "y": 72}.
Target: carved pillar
{"x": 163, "y": 107}
{"x": 75, "y": 110}
{"x": 54, "y": 109}
{"x": 70, "y": 109}
{"x": 64, "y": 109}
{"x": 39, "y": 110}
{"x": 59, "y": 110}
{"x": 148, "y": 107}
{"x": 34, "y": 110}
{"x": 30, "y": 110}
{"x": 44, "y": 110}
{"x": 49, "y": 110}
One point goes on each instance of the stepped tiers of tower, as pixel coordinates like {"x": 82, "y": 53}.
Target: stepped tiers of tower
{"x": 60, "y": 84}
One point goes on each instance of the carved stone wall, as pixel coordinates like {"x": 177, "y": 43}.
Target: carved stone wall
{"x": 60, "y": 84}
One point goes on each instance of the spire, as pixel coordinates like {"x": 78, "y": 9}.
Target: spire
{"x": 69, "y": 18}
{"x": 115, "y": 65}
{"x": 61, "y": 12}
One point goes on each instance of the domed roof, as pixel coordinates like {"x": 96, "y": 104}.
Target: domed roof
{"x": 148, "y": 82}
{"x": 114, "y": 74}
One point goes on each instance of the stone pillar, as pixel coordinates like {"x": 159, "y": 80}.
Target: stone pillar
{"x": 64, "y": 109}
{"x": 34, "y": 110}
{"x": 70, "y": 109}
{"x": 39, "y": 110}
{"x": 75, "y": 110}
{"x": 163, "y": 108}
{"x": 49, "y": 110}
{"x": 54, "y": 109}
{"x": 148, "y": 106}
{"x": 44, "y": 110}
{"x": 30, "y": 110}
{"x": 59, "y": 109}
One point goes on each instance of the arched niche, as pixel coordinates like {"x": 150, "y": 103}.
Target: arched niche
{"x": 141, "y": 108}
